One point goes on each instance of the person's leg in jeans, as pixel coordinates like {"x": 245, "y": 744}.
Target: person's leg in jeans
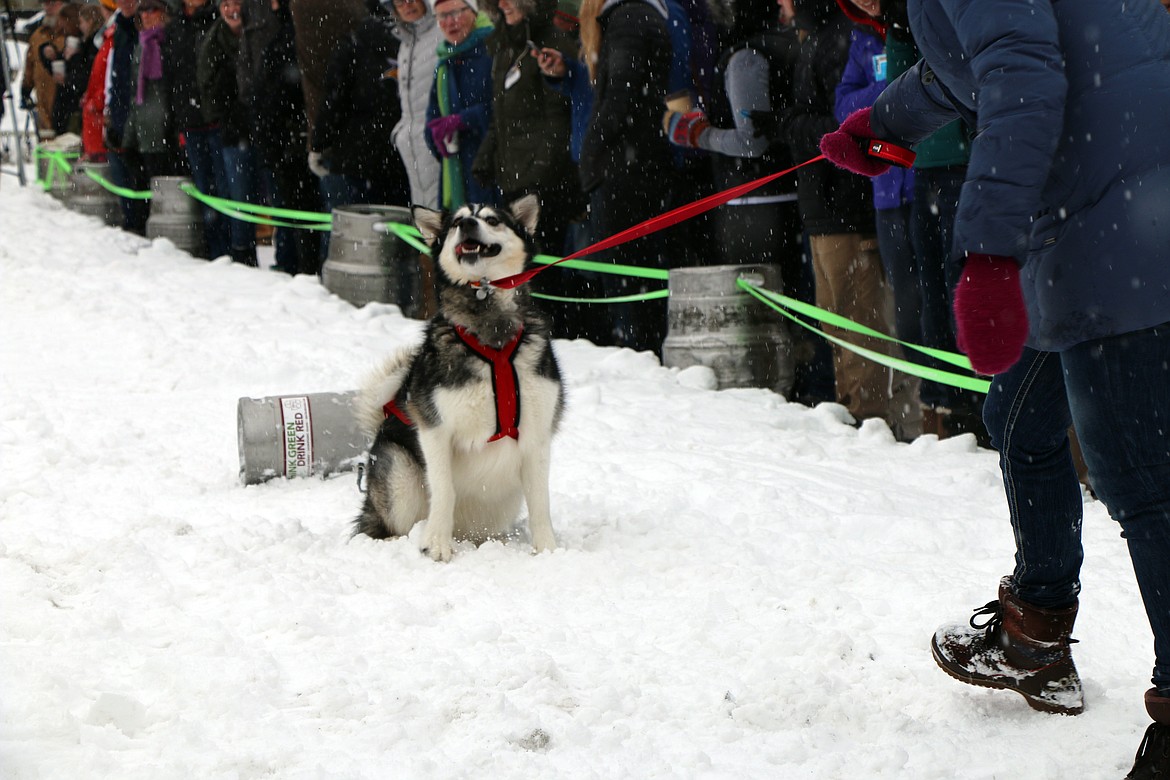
{"x": 335, "y": 192}
{"x": 1027, "y": 415}
{"x": 1119, "y": 394}
{"x": 241, "y": 175}
{"x": 202, "y": 148}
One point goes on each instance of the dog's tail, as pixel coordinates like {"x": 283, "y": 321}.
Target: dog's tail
{"x": 379, "y": 388}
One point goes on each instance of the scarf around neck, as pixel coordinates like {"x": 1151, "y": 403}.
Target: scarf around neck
{"x": 150, "y": 64}
{"x": 454, "y": 194}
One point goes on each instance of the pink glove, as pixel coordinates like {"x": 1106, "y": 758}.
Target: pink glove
{"x": 444, "y": 131}
{"x": 990, "y": 313}
{"x": 845, "y": 146}
{"x": 685, "y": 129}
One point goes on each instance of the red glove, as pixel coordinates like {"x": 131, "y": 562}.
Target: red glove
{"x": 845, "y": 146}
{"x": 990, "y": 314}
{"x": 685, "y": 129}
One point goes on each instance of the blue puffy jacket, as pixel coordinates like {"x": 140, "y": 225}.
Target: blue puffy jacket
{"x": 1070, "y": 170}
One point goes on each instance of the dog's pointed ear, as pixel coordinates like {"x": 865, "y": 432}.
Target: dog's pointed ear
{"x": 526, "y": 210}
{"x": 429, "y": 222}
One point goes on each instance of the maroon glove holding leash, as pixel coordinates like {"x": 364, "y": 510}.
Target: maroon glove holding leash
{"x": 990, "y": 314}
{"x": 845, "y": 146}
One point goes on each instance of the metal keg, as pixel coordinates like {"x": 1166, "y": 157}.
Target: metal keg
{"x": 367, "y": 263}
{"x": 314, "y": 434}
{"x": 175, "y": 215}
{"x": 86, "y": 196}
{"x": 713, "y": 323}
{"x": 50, "y": 170}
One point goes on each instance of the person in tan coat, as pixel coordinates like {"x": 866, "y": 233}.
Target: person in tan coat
{"x": 38, "y": 79}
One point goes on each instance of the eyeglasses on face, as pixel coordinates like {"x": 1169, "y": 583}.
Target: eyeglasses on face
{"x": 447, "y": 16}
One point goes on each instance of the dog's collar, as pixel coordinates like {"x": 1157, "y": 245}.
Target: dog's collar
{"x": 504, "y": 380}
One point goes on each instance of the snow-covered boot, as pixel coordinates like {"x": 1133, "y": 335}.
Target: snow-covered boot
{"x": 1017, "y": 647}
{"x": 1153, "y": 756}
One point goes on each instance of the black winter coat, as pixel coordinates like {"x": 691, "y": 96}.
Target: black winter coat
{"x": 279, "y": 108}
{"x": 527, "y": 144}
{"x": 625, "y": 138}
{"x": 216, "y": 72}
{"x": 180, "y": 53}
{"x": 832, "y": 200}
{"x": 67, "y": 102}
{"x": 360, "y": 106}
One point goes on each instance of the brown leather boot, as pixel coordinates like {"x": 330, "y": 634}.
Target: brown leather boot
{"x": 1019, "y": 648}
{"x": 1153, "y": 756}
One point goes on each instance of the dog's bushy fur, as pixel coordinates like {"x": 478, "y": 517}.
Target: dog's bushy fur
{"x": 442, "y": 468}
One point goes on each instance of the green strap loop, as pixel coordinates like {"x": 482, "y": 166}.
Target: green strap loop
{"x": 933, "y": 374}
{"x": 121, "y": 192}
{"x": 249, "y": 208}
{"x": 829, "y": 318}
{"x": 607, "y": 268}
{"x": 247, "y": 212}
{"x": 646, "y": 296}
{"x": 409, "y": 234}
{"x": 57, "y": 160}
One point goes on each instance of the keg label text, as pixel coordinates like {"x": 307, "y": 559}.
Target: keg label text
{"x": 297, "y": 424}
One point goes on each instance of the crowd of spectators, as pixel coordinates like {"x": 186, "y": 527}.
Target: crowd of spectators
{"x": 611, "y": 111}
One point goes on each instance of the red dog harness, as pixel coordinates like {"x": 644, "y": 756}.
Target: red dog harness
{"x": 505, "y": 385}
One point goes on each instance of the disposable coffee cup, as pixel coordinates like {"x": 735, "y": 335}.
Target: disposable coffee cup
{"x": 58, "y": 67}
{"x": 72, "y": 43}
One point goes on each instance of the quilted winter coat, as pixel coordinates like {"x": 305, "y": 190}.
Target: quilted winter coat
{"x": 1070, "y": 170}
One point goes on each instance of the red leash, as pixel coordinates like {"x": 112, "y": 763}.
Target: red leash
{"x": 654, "y": 224}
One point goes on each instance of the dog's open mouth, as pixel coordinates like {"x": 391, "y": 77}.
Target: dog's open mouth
{"x": 469, "y": 251}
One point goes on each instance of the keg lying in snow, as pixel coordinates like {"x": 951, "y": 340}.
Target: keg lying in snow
{"x": 366, "y": 263}
{"x": 712, "y": 322}
{"x": 298, "y": 436}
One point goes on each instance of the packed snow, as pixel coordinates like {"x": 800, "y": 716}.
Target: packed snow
{"x": 745, "y": 587}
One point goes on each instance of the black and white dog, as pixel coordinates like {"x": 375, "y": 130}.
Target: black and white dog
{"x": 464, "y": 422}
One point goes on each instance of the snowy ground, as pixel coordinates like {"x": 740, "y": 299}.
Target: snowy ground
{"x": 746, "y": 587}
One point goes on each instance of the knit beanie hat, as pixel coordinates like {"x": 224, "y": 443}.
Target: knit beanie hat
{"x": 110, "y": 5}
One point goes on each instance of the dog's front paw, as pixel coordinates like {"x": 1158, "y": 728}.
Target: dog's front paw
{"x": 439, "y": 549}
{"x": 543, "y": 542}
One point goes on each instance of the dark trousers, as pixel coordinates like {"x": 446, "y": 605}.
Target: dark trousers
{"x": 128, "y": 169}
{"x": 1116, "y": 392}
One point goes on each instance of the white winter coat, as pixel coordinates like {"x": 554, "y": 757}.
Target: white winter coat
{"x": 417, "y": 58}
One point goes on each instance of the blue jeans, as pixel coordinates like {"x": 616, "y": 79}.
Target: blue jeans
{"x": 205, "y": 156}
{"x": 336, "y": 191}
{"x": 239, "y": 162}
{"x": 1116, "y": 392}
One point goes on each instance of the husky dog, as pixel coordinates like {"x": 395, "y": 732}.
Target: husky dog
{"x": 464, "y": 422}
